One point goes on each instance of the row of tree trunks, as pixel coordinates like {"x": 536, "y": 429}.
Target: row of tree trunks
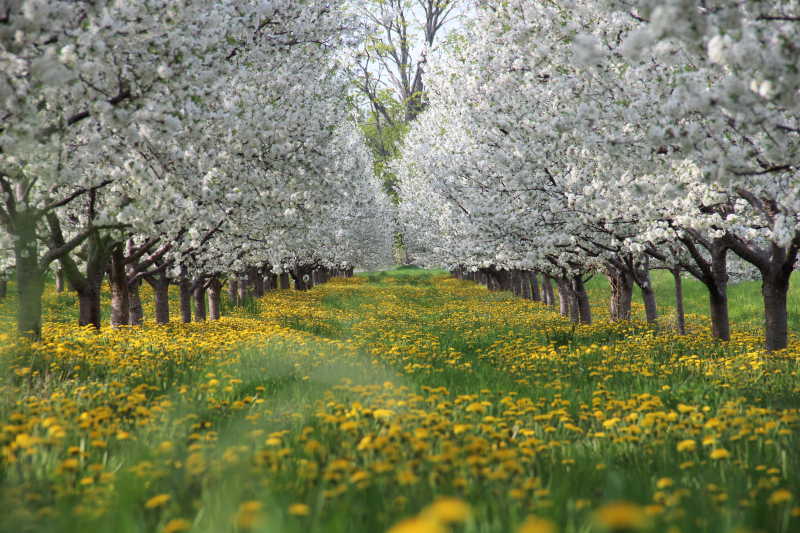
{"x": 573, "y": 298}
{"x": 200, "y": 298}
{"x": 524, "y": 283}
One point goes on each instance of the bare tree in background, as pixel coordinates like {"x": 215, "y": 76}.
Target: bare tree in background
{"x": 396, "y": 53}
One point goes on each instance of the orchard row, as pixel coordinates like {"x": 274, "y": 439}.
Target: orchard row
{"x": 616, "y": 136}
{"x": 179, "y": 143}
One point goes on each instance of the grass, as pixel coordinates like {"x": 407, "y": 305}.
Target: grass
{"x": 354, "y": 406}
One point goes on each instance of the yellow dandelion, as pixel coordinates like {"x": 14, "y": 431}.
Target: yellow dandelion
{"x": 621, "y": 515}
{"x": 720, "y": 453}
{"x": 299, "y": 509}
{"x": 534, "y": 524}
{"x": 779, "y": 496}
{"x": 157, "y": 501}
{"x": 448, "y": 510}
{"x": 420, "y": 524}
{"x": 688, "y": 445}
{"x": 177, "y": 524}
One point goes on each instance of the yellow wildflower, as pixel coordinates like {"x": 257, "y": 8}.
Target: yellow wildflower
{"x": 157, "y": 501}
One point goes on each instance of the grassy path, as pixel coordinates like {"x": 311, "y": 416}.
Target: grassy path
{"x": 355, "y": 406}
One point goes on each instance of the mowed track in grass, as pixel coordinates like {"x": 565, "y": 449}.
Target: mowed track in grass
{"x": 356, "y": 405}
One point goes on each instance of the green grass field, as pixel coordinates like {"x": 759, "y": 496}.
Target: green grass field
{"x": 400, "y": 400}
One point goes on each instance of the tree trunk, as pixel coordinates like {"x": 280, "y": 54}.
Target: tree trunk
{"x": 516, "y": 279}
{"x": 214, "y": 292}
{"x": 89, "y": 301}
{"x": 547, "y": 286}
{"x": 120, "y": 292}
{"x": 199, "y": 297}
{"x": 89, "y": 297}
{"x": 160, "y": 287}
{"x": 284, "y": 279}
{"x": 718, "y": 306}
{"x": 641, "y": 276}
{"x": 717, "y": 285}
{"x": 535, "y": 295}
{"x": 233, "y": 289}
{"x": 621, "y": 283}
{"x": 582, "y": 300}
{"x": 525, "y": 284}
{"x": 649, "y": 299}
{"x": 302, "y": 279}
{"x": 30, "y": 282}
{"x": 136, "y": 314}
{"x": 775, "y": 288}
{"x": 243, "y": 289}
{"x": 3, "y": 288}
{"x": 563, "y": 297}
{"x": 680, "y": 318}
{"x": 59, "y": 280}
{"x": 506, "y": 281}
{"x": 256, "y": 281}
{"x": 186, "y": 300}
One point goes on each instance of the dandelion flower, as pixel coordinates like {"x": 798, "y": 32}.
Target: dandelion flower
{"x": 449, "y": 510}
{"x": 779, "y": 496}
{"x": 621, "y": 515}
{"x": 157, "y": 501}
{"x": 177, "y": 524}
{"x": 535, "y": 524}
{"x": 299, "y": 509}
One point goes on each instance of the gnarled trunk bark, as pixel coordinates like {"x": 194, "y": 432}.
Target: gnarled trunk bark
{"x": 774, "y": 289}
{"x": 59, "y": 280}
{"x": 3, "y": 288}
{"x": 89, "y": 302}
{"x": 649, "y": 298}
{"x": 136, "y": 313}
{"x": 233, "y": 289}
{"x": 30, "y": 285}
{"x": 214, "y": 293}
{"x": 582, "y": 300}
{"x": 525, "y": 284}
{"x": 641, "y": 275}
{"x": 680, "y": 317}
{"x": 160, "y": 285}
{"x": 621, "y": 284}
{"x": 243, "y": 290}
{"x": 256, "y": 281}
{"x": 199, "y": 297}
{"x": 535, "y": 294}
{"x": 89, "y": 297}
{"x": 717, "y": 285}
{"x": 564, "y": 297}
{"x": 120, "y": 291}
{"x": 185, "y": 287}
{"x": 284, "y": 280}
{"x": 547, "y": 286}
{"x": 302, "y": 279}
